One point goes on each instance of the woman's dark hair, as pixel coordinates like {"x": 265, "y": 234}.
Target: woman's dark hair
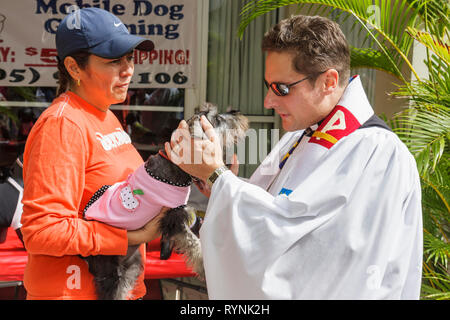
{"x": 317, "y": 44}
{"x": 64, "y": 78}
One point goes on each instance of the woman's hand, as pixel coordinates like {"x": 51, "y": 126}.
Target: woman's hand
{"x": 150, "y": 231}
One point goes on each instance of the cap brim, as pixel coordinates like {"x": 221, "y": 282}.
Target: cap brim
{"x": 121, "y": 45}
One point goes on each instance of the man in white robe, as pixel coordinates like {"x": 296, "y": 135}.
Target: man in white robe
{"x": 334, "y": 211}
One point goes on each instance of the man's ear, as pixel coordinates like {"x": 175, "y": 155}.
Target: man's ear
{"x": 331, "y": 82}
{"x": 72, "y": 68}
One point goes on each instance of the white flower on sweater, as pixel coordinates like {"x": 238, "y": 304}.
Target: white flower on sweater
{"x": 128, "y": 199}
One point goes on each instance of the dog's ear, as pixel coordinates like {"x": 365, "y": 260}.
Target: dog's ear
{"x": 243, "y": 126}
{"x": 208, "y": 108}
{"x": 239, "y": 125}
{"x": 230, "y": 126}
{"x": 232, "y": 111}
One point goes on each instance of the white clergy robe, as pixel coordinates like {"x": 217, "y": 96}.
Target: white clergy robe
{"x": 341, "y": 219}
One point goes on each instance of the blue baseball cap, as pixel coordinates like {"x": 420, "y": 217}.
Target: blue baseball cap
{"x": 99, "y": 32}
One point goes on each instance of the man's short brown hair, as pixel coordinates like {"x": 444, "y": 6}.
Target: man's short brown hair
{"x": 317, "y": 43}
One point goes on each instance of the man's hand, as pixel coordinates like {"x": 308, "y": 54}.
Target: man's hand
{"x": 197, "y": 157}
{"x": 203, "y": 187}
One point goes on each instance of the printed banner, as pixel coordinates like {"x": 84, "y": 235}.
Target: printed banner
{"x": 27, "y": 40}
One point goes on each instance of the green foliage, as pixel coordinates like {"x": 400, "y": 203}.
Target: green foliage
{"x": 424, "y": 125}
{"x": 26, "y": 93}
{"x": 424, "y": 129}
{"x": 384, "y": 22}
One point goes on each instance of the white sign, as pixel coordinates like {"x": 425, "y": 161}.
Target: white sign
{"x": 27, "y": 40}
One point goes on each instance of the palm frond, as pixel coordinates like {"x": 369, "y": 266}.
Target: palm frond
{"x": 374, "y": 59}
{"x": 436, "y": 218}
{"x": 435, "y": 282}
{"x": 426, "y": 93}
{"x": 425, "y": 132}
{"x": 436, "y": 249}
{"x": 435, "y": 14}
{"x": 441, "y": 49}
{"x": 430, "y": 293}
{"x": 386, "y": 26}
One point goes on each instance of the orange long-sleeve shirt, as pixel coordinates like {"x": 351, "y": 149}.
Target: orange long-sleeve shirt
{"x": 72, "y": 151}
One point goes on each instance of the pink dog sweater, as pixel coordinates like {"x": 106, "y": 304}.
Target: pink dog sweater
{"x": 132, "y": 203}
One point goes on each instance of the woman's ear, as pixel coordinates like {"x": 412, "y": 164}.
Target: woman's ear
{"x": 331, "y": 82}
{"x": 72, "y": 68}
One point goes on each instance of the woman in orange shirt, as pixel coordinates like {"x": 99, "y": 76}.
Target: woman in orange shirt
{"x": 76, "y": 147}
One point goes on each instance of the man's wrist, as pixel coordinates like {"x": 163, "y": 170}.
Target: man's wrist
{"x": 215, "y": 174}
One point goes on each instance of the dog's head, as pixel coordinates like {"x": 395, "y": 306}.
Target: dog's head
{"x": 230, "y": 126}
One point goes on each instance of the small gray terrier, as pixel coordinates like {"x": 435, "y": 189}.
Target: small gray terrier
{"x": 114, "y": 275}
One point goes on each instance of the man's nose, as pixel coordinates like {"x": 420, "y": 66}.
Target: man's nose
{"x": 269, "y": 100}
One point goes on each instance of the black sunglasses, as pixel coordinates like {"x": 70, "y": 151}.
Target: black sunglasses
{"x": 282, "y": 89}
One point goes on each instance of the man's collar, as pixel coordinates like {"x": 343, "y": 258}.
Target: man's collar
{"x": 353, "y": 99}
{"x": 352, "y": 110}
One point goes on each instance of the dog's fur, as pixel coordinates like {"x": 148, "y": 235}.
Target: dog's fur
{"x": 115, "y": 276}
